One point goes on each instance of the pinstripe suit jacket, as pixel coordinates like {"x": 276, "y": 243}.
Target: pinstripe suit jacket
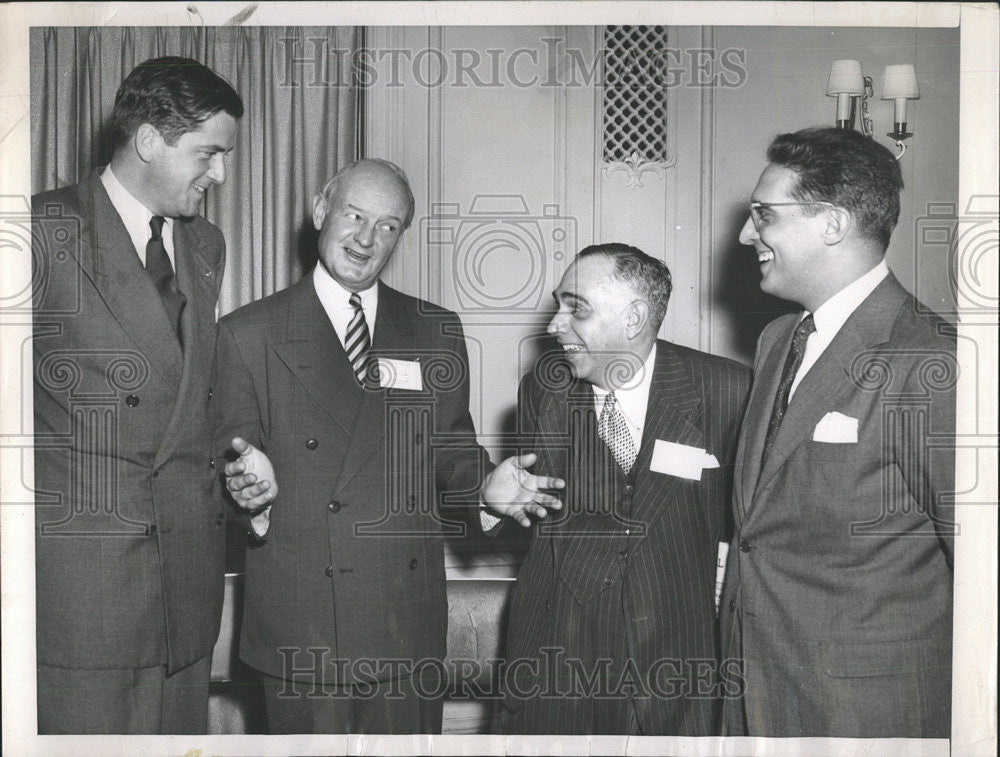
{"x": 640, "y": 547}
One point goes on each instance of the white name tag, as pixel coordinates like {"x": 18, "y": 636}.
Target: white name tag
{"x": 399, "y": 374}
{"x": 680, "y": 460}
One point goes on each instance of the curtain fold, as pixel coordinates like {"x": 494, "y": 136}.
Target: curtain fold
{"x": 300, "y": 125}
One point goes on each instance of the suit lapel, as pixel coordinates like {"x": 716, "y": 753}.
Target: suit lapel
{"x": 767, "y": 376}
{"x": 831, "y": 376}
{"x": 673, "y": 414}
{"x": 393, "y": 332}
{"x": 108, "y": 256}
{"x": 315, "y": 356}
{"x": 198, "y": 278}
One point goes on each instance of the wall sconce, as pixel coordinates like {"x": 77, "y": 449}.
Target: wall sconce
{"x": 849, "y": 84}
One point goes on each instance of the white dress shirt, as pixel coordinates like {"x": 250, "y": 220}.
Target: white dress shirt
{"x": 830, "y": 317}
{"x": 335, "y": 300}
{"x": 136, "y": 217}
{"x": 633, "y": 398}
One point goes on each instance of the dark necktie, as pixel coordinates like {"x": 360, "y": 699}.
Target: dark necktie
{"x": 358, "y": 342}
{"x": 614, "y": 431}
{"x": 162, "y": 273}
{"x": 792, "y": 363}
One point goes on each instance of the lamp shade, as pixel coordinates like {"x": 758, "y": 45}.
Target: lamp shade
{"x": 846, "y": 78}
{"x": 900, "y": 81}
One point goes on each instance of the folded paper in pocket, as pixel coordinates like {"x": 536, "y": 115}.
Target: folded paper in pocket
{"x": 680, "y": 460}
{"x": 836, "y": 428}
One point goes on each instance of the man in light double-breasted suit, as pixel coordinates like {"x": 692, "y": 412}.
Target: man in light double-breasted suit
{"x": 130, "y": 520}
{"x": 838, "y": 596}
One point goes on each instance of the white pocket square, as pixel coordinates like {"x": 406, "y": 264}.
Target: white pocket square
{"x": 836, "y": 428}
{"x": 680, "y": 460}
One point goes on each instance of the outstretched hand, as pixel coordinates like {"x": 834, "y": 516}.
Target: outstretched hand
{"x": 512, "y": 491}
{"x": 250, "y": 478}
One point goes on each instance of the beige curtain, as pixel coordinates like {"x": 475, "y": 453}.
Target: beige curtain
{"x": 299, "y": 126}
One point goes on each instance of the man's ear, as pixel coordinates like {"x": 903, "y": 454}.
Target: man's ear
{"x": 839, "y": 223}
{"x": 147, "y": 140}
{"x": 636, "y": 318}
{"x": 319, "y": 211}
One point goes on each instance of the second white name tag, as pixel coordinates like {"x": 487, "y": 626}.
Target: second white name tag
{"x": 399, "y": 374}
{"x": 680, "y": 460}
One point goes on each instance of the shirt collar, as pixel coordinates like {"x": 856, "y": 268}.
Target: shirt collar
{"x": 134, "y": 215}
{"x": 335, "y": 296}
{"x": 833, "y": 313}
{"x": 633, "y": 397}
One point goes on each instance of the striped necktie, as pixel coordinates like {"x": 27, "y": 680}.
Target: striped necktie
{"x": 358, "y": 342}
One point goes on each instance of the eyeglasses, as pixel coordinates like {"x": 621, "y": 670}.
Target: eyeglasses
{"x": 756, "y": 207}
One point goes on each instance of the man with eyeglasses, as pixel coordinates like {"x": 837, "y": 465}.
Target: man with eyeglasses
{"x": 838, "y": 593}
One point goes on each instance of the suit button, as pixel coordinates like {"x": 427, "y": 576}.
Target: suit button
{"x": 220, "y": 519}
{"x": 629, "y": 488}
{"x": 156, "y": 474}
{"x": 413, "y": 564}
{"x": 329, "y": 571}
{"x": 210, "y": 393}
{"x": 732, "y": 605}
{"x": 623, "y": 553}
{"x": 334, "y": 507}
{"x": 311, "y": 444}
{"x": 744, "y": 546}
{"x": 608, "y": 580}
{"x": 132, "y": 400}
{"x": 211, "y": 463}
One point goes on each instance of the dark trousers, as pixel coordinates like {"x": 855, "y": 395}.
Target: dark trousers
{"x": 388, "y": 707}
{"x": 125, "y": 700}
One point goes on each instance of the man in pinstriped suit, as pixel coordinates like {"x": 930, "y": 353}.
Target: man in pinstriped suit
{"x": 613, "y": 621}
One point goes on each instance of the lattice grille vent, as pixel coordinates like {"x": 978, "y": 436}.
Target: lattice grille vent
{"x": 635, "y": 100}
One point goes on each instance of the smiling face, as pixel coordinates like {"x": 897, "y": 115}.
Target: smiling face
{"x": 789, "y": 243}
{"x": 594, "y": 322}
{"x": 177, "y": 176}
{"x": 360, "y": 224}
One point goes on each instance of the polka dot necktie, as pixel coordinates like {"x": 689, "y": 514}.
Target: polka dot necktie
{"x": 614, "y": 432}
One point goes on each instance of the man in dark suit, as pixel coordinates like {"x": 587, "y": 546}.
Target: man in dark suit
{"x": 613, "y": 619}
{"x": 129, "y": 517}
{"x": 838, "y": 595}
{"x": 358, "y": 396}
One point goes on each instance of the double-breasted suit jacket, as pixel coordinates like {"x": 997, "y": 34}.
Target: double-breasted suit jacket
{"x": 838, "y": 595}
{"x": 129, "y": 517}
{"x": 637, "y": 550}
{"x": 351, "y": 572}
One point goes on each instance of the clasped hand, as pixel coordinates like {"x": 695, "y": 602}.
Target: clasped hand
{"x": 250, "y": 478}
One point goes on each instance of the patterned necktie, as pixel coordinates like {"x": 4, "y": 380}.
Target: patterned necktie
{"x": 792, "y": 363}
{"x": 358, "y": 343}
{"x": 162, "y": 273}
{"x": 614, "y": 432}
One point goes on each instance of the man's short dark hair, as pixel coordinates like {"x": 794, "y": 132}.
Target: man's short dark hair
{"x": 649, "y": 277}
{"x": 173, "y": 94}
{"x": 848, "y": 169}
